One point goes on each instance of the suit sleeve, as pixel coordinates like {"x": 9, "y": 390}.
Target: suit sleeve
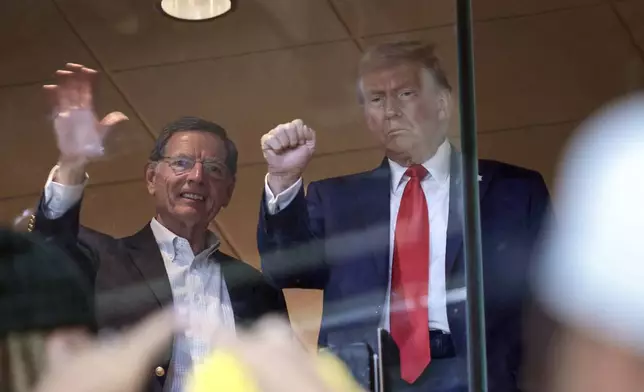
{"x": 539, "y": 212}
{"x": 64, "y": 232}
{"x": 540, "y": 208}
{"x": 291, "y": 242}
{"x": 57, "y": 218}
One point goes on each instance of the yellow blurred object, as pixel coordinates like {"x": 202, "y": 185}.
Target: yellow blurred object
{"x": 223, "y": 371}
{"x": 335, "y": 373}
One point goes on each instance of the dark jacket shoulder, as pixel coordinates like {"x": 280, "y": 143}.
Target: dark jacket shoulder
{"x": 244, "y": 281}
{"x": 490, "y": 168}
{"x": 95, "y": 238}
{"x": 506, "y": 170}
{"x": 354, "y": 179}
{"x": 239, "y": 272}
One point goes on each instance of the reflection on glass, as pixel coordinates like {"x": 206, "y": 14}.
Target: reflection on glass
{"x": 381, "y": 222}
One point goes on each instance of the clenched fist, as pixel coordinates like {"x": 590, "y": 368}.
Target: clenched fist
{"x": 287, "y": 148}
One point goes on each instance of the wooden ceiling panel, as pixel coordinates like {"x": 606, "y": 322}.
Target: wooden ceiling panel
{"x": 28, "y": 147}
{"x": 34, "y": 40}
{"x": 632, "y": 12}
{"x": 541, "y": 69}
{"x": 375, "y": 17}
{"x": 129, "y": 34}
{"x": 249, "y": 95}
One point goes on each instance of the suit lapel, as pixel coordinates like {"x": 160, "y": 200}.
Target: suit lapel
{"x": 374, "y": 207}
{"x": 456, "y": 216}
{"x": 238, "y": 286}
{"x": 146, "y": 256}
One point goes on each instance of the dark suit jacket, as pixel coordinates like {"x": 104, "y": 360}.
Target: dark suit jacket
{"x": 336, "y": 238}
{"x": 131, "y": 280}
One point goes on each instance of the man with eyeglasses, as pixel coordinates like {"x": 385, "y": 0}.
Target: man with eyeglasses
{"x": 173, "y": 258}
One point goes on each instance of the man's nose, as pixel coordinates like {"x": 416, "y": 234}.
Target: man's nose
{"x": 196, "y": 173}
{"x": 391, "y": 108}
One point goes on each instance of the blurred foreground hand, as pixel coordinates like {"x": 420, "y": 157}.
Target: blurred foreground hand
{"x": 269, "y": 358}
{"x": 120, "y": 365}
{"x": 591, "y": 276}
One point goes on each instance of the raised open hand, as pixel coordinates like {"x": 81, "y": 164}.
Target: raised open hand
{"x": 120, "y": 365}
{"x": 79, "y": 133}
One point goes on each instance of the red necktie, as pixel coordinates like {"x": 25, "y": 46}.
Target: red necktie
{"x": 409, "y": 279}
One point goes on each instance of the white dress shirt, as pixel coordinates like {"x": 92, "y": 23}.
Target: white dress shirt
{"x": 436, "y": 188}
{"x": 198, "y": 288}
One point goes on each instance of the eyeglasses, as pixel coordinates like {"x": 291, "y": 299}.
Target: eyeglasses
{"x": 182, "y": 164}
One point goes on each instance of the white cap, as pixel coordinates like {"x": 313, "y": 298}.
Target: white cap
{"x": 592, "y": 267}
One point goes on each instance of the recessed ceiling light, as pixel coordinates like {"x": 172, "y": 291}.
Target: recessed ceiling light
{"x": 195, "y": 9}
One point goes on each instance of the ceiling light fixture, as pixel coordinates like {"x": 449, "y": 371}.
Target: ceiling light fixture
{"x": 194, "y": 10}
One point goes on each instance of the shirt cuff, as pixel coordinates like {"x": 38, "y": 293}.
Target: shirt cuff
{"x": 275, "y": 204}
{"x": 60, "y": 198}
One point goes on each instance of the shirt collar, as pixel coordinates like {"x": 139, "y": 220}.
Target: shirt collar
{"x": 438, "y": 167}
{"x": 167, "y": 240}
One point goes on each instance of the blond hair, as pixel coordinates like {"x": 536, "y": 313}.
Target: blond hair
{"x": 390, "y": 54}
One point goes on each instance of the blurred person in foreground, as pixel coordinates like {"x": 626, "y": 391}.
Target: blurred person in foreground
{"x": 268, "y": 358}
{"x": 46, "y": 309}
{"x": 252, "y": 360}
{"x": 48, "y": 339}
{"x": 174, "y": 258}
{"x": 591, "y": 277}
{"x": 48, "y": 342}
{"x": 118, "y": 364}
{"x": 393, "y": 235}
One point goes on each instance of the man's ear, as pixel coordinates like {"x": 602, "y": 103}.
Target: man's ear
{"x": 444, "y": 105}
{"x": 229, "y": 191}
{"x": 150, "y": 176}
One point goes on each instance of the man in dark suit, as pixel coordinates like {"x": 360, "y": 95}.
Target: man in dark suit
{"x": 386, "y": 245}
{"x": 174, "y": 258}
